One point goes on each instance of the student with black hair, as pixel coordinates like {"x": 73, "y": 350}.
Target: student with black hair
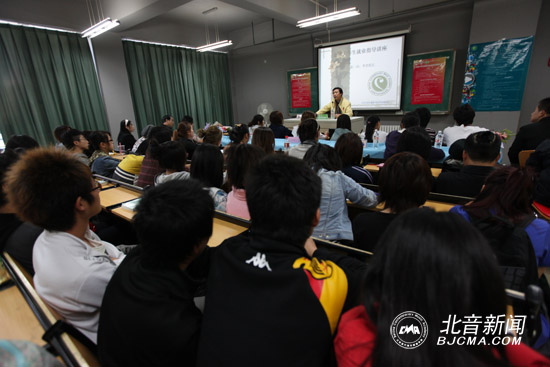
{"x": 172, "y": 157}
{"x": 125, "y": 136}
{"x": 57, "y": 132}
{"x": 136, "y": 149}
{"x": 464, "y": 118}
{"x": 100, "y": 161}
{"x": 150, "y": 166}
{"x": 185, "y": 133}
{"x": 415, "y": 139}
{"x": 308, "y": 132}
{"x": 480, "y": 156}
{"x": 240, "y": 159}
{"x": 52, "y": 189}
{"x": 343, "y": 126}
{"x": 350, "y": 149}
{"x": 21, "y": 143}
{"x": 76, "y": 143}
{"x": 16, "y": 237}
{"x": 425, "y": 116}
{"x": 257, "y": 121}
{"x": 531, "y": 135}
{"x": 276, "y": 120}
{"x": 207, "y": 168}
{"x": 263, "y": 137}
{"x": 455, "y": 274}
{"x": 148, "y": 316}
{"x": 168, "y": 122}
{"x": 334, "y": 224}
{"x": 239, "y": 134}
{"x": 408, "y": 120}
{"x": 404, "y": 182}
{"x": 270, "y": 289}
{"x": 373, "y": 123}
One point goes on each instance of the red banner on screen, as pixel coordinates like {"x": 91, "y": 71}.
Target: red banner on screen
{"x": 428, "y": 80}
{"x": 300, "y": 85}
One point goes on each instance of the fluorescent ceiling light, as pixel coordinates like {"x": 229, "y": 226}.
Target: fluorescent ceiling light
{"x": 215, "y": 45}
{"x": 101, "y": 27}
{"x": 341, "y": 14}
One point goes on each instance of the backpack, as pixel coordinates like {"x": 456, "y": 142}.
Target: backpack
{"x": 513, "y": 249}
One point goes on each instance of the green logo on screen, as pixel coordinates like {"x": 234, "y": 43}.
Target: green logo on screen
{"x": 379, "y": 83}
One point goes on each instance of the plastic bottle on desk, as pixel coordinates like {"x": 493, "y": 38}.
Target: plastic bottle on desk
{"x": 332, "y": 113}
{"x": 375, "y": 138}
{"x": 438, "y": 140}
{"x": 287, "y": 145}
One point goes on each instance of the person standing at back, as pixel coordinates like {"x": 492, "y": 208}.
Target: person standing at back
{"x": 531, "y": 135}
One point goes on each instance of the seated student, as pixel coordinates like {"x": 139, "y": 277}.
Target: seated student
{"x": 343, "y": 126}
{"x": 480, "y": 156}
{"x": 455, "y": 161}
{"x": 100, "y": 161}
{"x": 405, "y": 182}
{"x": 263, "y": 137}
{"x": 54, "y": 190}
{"x": 373, "y": 123}
{"x": 185, "y": 134}
{"x": 172, "y": 158}
{"x": 455, "y": 275}
{"x": 334, "y": 224}
{"x": 76, "y": 143}
{"x": 207, "y": 168}
{"x": 308, "y": 132}
{"x": 16, "y": 237}
{"x": 276, "y": 120}
{"x": 539, "y": 160}
{"x": 128, "y": 169}
{"x": 273, "y": 299}
{"x": 464, "y": 118}
{"x": 425, "y": 116}
{"x": 150, "y": 166}
{"x": 240, "y": 159}
{"x": 125, "y": 136}
{"x": 257, "y": 121}
{"x": 148, "y": 317}
{"x": 212, "y": 135}
{"x": 143, "y": 138}
{"x": 531, "y": 135}
{"x": 416, "y": 140}
{"x": 57, "y": 132}
{"x": 409, "y": 119}
{"x": 350, "y": 149}
{"x": 507, "y": 194}
{"x": 21, "y": 143}
{"x": 239, "y": 135}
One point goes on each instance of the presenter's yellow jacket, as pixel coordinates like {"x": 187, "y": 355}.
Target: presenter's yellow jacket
{"x": 344, "y": 104}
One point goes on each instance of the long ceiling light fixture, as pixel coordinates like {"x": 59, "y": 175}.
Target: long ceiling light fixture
{"x": 98, "y": 26}
{"x": 215, "y": 45}
{"x": 328, "y": 17}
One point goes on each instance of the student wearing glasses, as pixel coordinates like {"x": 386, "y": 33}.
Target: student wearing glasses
{"x": 52, "y": 189}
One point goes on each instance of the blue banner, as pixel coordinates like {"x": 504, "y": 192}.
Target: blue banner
{"x": 495, "y": 74}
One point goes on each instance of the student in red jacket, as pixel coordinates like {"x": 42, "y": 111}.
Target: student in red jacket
{"x": 430, "y": 270}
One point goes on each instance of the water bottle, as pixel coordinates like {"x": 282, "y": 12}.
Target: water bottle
{"x": 332, "y": 113}
{"x": 287, "y": 145}
{"x": 438, "y": 140}
{"x": 376, "y": 138}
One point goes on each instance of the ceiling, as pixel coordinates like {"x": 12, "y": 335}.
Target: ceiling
{"x": 229, "y": 15}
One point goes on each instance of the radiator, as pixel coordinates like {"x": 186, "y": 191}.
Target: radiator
{"x": 389, "y": 128}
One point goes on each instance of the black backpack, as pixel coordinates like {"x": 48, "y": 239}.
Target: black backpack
{"x": 513, "y": 249}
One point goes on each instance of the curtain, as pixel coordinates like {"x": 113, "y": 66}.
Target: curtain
{"x": 175, "y": 81}
{"x": 47, "y": 79}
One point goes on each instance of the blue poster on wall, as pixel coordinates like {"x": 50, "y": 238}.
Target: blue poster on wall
{"x": 495, "y": 74}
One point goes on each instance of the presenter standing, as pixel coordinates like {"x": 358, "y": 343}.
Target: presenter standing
{"x": 338, "y": 103}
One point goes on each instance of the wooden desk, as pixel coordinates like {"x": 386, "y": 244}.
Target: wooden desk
{"x": 375, "y": 168}
{"x": 116, "y": 196}
{"x": 16, "y": 318}
{"x": 124, "y": 213}
{"x": 222, "y": 230}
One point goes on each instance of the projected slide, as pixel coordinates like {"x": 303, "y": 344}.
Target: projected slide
{"x": 369, "y": 72}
